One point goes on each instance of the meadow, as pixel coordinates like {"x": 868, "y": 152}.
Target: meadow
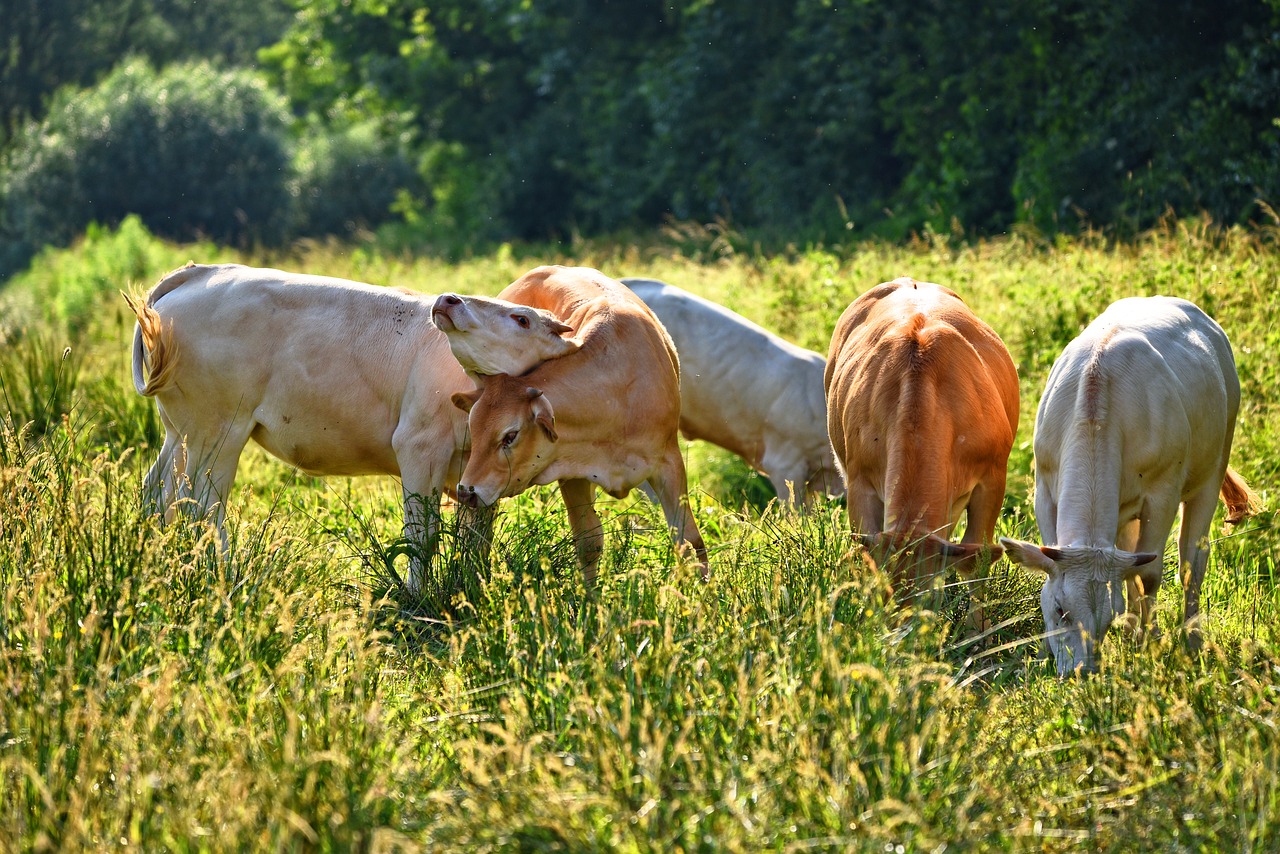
{"x": 290, "y": 696}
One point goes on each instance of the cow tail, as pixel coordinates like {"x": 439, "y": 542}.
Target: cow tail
{"x": 1242, "y": 502}
{"x": 154, "y": 350}
{"x": 155, "y": 354}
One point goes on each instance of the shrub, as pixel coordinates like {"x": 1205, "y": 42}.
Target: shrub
{"x": 348, "y": 179}
{"x": 193, "y": 150}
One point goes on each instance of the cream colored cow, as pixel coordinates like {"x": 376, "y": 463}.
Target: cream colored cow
{"x": 332, "y": 376}
{"x": 1136, "y": 420}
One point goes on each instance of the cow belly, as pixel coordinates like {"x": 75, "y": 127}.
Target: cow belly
{"x": 327, "y": 449}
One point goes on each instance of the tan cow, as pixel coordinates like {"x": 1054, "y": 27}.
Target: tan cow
{"x": 605, "y": 415}
{"x": 922, "y": 402}
{"x": 741, "y": 387}
{"x": 332, "y": 376}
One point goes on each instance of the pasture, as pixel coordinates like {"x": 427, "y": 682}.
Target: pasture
{"x": 156, "y": 696}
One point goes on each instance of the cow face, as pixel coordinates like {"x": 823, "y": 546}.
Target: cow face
{"x": 512, "y": 439}
{"x": 1081, "y": 598}
{"x": 493, "y": 336}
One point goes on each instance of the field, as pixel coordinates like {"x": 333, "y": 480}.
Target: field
{"x": 155, "y": 696}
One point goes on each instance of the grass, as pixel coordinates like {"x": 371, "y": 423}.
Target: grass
{"x": 155, "y": 695}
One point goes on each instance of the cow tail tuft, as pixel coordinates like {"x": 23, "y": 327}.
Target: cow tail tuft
{"x": 1242, "y": 502}
{"x": 154, "y": 350}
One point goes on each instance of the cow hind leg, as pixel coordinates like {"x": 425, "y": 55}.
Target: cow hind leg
{"x": 579, "y": 497}
{"x": 1193, "y": 557}
{"x": 209, "y": 472}
{"x": 981, "y": 515}
{"x": 671, "y": 485}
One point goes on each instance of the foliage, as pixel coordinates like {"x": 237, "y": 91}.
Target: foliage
{"x": 193, "y": 151}
{"x": 808, "y": 116}
{"x": 158, "y": 693}
{"x": 349, "y": 178}
{"x": 49, "y": 44}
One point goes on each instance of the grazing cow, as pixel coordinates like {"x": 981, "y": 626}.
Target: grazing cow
{"x": 922, "y": 408}
{"x": 1137, "y": 418}
{"x": 748, "y": 391}
{"x": 331, "y": 376}
{"x": 605, "y": 415}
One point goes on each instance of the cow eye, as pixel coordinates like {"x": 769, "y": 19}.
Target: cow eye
{"x": 1063, "y": 614}
{"x": 509, "y": 438}
{"x": 521, "y": 320}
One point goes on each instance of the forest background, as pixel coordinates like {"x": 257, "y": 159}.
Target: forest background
{"x": 452, "y": 125}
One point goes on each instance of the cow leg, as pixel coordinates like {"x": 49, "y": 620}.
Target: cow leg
{"x": 210, "y": 470}
{"x": 866, "y": 510}
{"x": 671, "y": 484}
{"x": 579, "y": 497}
{"x": 160, "y": 485}
{"x": 789, "y": 477}
{"x": 982, "y": 513}
{"x": 422, "y": 529}
{"x": 1193, "y": 556}
{"x": 1127, "y": 540}
{"x": 1158, "y": 513}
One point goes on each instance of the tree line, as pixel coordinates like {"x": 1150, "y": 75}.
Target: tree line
{"x": 496, "y": 119}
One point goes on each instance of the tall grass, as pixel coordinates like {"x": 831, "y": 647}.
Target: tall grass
{"x": 157, "y": 694}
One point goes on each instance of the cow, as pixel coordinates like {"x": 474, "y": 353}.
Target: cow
{"x": 605, "y": 415}
{"x": 741, "y": 387}
{"x": 922, "y": 408}
{"x": 1137, "y": 418}
{"x": 748, "y": 391}
{"x": 331, "y": 376}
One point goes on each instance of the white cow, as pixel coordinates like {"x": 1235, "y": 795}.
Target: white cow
{"x": 1137, "y": 418}
{"x": 748, "y": 391}
{"x": 332, "y": 376}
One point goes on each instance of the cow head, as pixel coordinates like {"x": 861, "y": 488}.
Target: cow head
{"x": 513, "y": 429}
{"x": 915, "y": 562}
{"x": 1082, "y": 597}
{"x": 493, "y": 336}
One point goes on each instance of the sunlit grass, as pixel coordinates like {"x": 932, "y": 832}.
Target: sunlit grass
{"x": 155, "y": 694}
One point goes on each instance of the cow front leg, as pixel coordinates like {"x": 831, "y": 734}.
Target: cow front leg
{"x": 422, "y": 531}
{"x": 588, "y": 533}
{"x": 1156, "y": 518}
{"x": 671, "y": 485}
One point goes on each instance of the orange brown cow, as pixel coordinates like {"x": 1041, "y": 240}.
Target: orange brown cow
{"x": 922, "y": 408}
{"x": 606, "y": 414}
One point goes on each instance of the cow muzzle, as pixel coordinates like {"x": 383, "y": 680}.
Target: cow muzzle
{"x": 441, "y": 311}
{"x": 468, "y": 496}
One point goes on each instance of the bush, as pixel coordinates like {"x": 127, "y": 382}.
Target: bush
{"x": 348, "y": 179}
{"x": 193, "y": 150}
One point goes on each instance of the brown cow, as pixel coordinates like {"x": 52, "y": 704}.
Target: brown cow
{"x": 606, "y": 415}
{"x": 922, "y": 408}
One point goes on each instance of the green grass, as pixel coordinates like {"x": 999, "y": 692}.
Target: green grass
{"x": 154, "y": 695}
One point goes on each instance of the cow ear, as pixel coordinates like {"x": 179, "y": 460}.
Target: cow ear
{"x": 464, "y": 400}
{"x": 543, "y": 415}
{"x": 557, "y": 327}
{"x": 1031, "y": 556}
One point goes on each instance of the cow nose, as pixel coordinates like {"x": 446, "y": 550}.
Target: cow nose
{"x": 467, "y": 495}
{"x": 452, "y": 299}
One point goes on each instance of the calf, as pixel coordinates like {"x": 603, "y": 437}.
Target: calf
{"x": 604, "y": 415}
{"x": 1137, "y": 418}
{"x": 922, "y": 408}
{"x": 331, "y": 376}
